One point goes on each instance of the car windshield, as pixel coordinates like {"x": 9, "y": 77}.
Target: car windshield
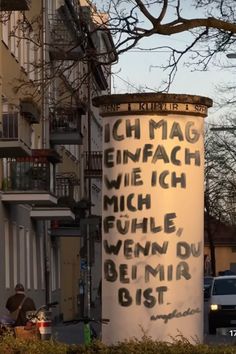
{"x": 224, "y": 287}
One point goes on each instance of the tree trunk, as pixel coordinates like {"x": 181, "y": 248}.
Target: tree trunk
{"x": 210, "y": 235}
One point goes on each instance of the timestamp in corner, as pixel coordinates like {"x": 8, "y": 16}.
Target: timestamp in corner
{"x": 232, "y": 332}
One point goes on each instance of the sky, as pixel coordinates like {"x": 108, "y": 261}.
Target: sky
{"x": 138, "y": 71}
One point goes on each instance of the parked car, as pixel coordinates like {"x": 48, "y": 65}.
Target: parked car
{"x": 207, "y": 286}
{"x": 222, "y": 304}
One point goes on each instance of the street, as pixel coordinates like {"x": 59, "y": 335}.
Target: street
{"x": 223, "y": 336}
{"x": 73, "y": 333}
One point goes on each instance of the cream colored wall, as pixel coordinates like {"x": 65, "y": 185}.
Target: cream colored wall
{"x": 70, "y": 247}
{"x": 223, "y": 255}
{"x": 70, "y": 263}
{"x": 13, "y": 74}
{"x": 12, "y": 70}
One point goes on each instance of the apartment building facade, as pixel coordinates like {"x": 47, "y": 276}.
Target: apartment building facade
{"x": 50, "y": 148}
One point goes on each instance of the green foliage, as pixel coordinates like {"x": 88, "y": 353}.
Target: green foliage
{"x": 11, "y": 345}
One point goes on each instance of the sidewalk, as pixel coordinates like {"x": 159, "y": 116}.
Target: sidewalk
{"x": 73, "y": 333}
{"x": 69, "y": 334}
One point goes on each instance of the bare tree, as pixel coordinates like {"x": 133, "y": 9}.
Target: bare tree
{"x": 210, "y": 25}
{"x": 220, "y": 181}
{"x": 73, "y": 58}
{"x": 211, "y": 32}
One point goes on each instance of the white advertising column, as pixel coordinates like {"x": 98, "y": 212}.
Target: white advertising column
{"x": 153, "y": 208}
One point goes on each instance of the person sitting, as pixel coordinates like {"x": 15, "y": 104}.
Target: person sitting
{"x": 21, "y": 302}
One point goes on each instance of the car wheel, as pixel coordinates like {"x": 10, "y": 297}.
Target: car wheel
{"x": 211, "y": 328}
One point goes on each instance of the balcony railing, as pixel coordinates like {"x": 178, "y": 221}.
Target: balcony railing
{"x": 93, "y": 164}
{"x": 14, "y": 5}
{"x": 65, "y": 126}
{"x": 28, "y": 174}
{"x": 15, "y": 135}
{"x": 65, "y": 185}
{"x": 65, "y": 38}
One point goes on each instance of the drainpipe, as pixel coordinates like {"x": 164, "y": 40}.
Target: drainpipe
{"x": 89, "y": 275}
{"x": 45, "y": 142}
{"x": 89, "y": 129}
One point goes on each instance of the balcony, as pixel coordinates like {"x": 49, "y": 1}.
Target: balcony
{"x": 75, "y": 229}
{"x": 66, "y": 183}
{"x": 65, "y": 187}
{"x": 15, "y": 135}
{"x": 65, "y": 126}
{"x": 99, "y": 75}
{"x": 93, "y": 164}
{"x": 14, "y": 5}
{"x": 29, "y": 180}
{"x": 52, "y": 213}
{"x": 66, "y": 38}
{"x": 65, "y": 190}
{"x": 29, "y": 109}
{"x": 59, "y": 229}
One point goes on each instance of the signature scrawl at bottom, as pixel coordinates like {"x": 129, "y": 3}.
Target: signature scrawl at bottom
{"x": 175, "y": 314}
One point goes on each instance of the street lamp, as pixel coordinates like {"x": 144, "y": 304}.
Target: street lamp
{"x": 223, "y": 128}
{"x": 231, "y": 55}
{"x": 218, "y": 129}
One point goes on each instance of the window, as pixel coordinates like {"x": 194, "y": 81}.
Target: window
{"x": 55, "y": 266}
{"x": 17, "y": 34}
{"x": 14, "y": 32}
{"x": 24, "y": 52}
{"x": 51, "y": 5}
{"x": 10, "y": 125}
{"x": 5, "y": 32}
{"x": 42, "y": 265}
{"x": 37, "y": 65}
{"x": 35, "y": 263}
{"x": 28, "y": 265}
{"x": 59, "y": 268}
{"x": 15, "y": 253}
{"x": 233, "y": 267}
{"x": 224, "y": 286}
{"x": 33, "y": 138}
{"x": 9, "y": 121}
{"x": 22, "y": 253}
{"x": 53, "y": 269}
{"x": 31, "y": 69}
{"x": 7, "y": 254}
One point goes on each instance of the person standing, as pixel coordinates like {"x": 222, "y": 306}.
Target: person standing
{"x": 22, "y": 302}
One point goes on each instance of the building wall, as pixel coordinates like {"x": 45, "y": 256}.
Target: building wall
{"x": 224, "y": 255}
{"x": 70, "y": 262}
{"x": 23, "y": 240}
{"x": 27, "y": 250}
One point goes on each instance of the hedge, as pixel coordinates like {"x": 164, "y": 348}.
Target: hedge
{"x": 11, "y": 345}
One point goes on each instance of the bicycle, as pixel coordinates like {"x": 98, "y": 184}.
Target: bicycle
{"x": 39, "y": 324}
{"x": 89, "y": 333}
{"x": 41, "y": 319}
{"x": 6, "y": 326}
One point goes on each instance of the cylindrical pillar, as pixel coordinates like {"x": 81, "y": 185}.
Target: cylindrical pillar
{"x": 153, "y": 208}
